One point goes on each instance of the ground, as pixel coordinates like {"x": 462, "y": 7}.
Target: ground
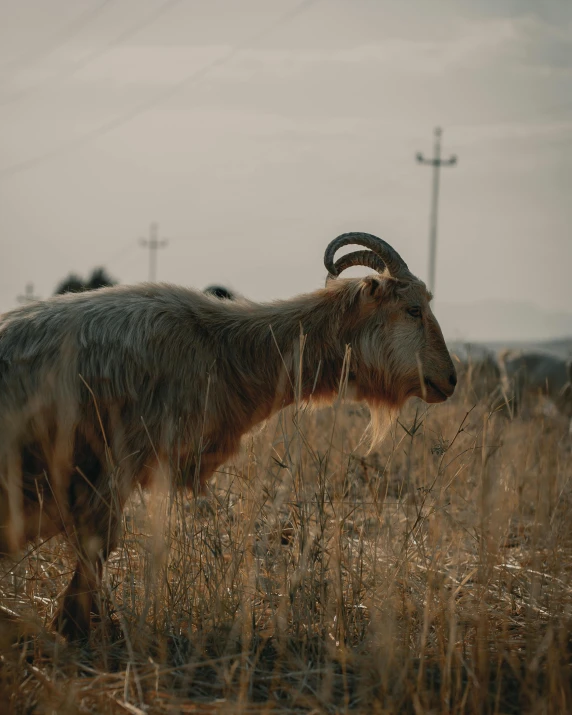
{"x": 430, "y": 575}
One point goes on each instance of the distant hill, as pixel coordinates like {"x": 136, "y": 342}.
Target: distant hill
{"x": 561, "y": 347}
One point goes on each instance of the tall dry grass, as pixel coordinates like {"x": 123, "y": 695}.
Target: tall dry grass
{"x": 432, "y": 575}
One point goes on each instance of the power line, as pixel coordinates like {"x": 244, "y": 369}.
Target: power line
{"x": 60, "y": 38}
{"x": 436, "y": 162}
{"x": 120, "y": 253}
{"x": 192, "y": 78}
{"x": 92, "y": 56}
{"x": 153, "y": 243}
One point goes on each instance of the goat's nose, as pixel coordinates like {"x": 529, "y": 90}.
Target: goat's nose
{"x": 453, "y": 379}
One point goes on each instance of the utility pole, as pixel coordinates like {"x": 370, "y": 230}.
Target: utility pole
{"x": 436, "y": 162}
{"x": 28, "y": 296}
{"x": 153, "y": 243}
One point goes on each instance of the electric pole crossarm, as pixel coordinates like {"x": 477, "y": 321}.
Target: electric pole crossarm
{"x": 153, "y": 243}
{"x": 28, "y": 296}
{"x": 437, "y": 162}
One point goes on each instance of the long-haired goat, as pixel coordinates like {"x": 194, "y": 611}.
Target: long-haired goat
{"x": 99, "y": 391}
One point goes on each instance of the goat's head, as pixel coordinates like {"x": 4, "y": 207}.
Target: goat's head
{"x": 399, "y": 348}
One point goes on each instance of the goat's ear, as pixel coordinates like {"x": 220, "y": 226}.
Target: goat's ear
{"x": 372, "y": 288}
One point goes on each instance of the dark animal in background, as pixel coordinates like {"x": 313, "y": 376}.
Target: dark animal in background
{"x": 104, "y": 390}
{"x": 526, "y": 376}
{"x": 99, "y": 278}
{"x": 220, "y": 292}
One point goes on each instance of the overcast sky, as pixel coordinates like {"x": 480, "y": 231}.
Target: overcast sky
{"x": 254, "y": 132}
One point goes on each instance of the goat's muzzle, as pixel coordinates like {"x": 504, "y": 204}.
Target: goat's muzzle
{"x": 441, "y": 391}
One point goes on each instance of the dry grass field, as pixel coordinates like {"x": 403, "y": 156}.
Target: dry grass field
{"x": 430, "y": 576}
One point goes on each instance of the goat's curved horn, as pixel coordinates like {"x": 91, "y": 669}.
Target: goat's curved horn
{"x": 359, "y": 258}
{"x": 387, "y": 257}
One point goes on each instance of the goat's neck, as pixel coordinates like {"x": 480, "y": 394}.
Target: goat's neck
{"x": 292, "y": 351}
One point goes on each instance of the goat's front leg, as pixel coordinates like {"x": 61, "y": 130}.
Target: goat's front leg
{"x": 96, "y": 534}
{"x": 73, "y": 617}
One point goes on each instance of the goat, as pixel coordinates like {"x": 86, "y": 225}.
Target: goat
{"x": 526, "y": 375}
{"x": 101, "y": 391}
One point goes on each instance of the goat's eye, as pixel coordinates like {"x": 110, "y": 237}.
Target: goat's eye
{"x": 414, "y": 312}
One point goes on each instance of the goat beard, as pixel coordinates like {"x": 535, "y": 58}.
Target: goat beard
{"x": 381, "y": 419}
